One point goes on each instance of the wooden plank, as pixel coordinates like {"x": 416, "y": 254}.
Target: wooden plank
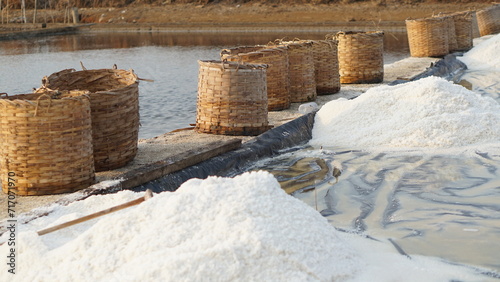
{"x": 177, "y": 162}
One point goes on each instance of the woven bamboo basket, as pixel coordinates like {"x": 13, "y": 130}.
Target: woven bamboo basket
{"x": 232, "y": 98}
{"x": 114, "y": 97}
{"x": 224, "y": 53}
{"x": 450, "y": 28}
{"x": 301, "y": 71}
{"x": 326, "y": 66}
{"x": 428, "y": 37}
{"x": 278, "y": 83}
{"x": 488, "y": 20}
{"x": 463, "y": 30}
{"x": 46, "y": 144}
{"x": 361, "y": 56}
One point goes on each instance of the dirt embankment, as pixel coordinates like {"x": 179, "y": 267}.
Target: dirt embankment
{"x": 232, "y": 12}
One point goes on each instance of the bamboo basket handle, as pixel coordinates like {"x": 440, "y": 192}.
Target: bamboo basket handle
{"x": 45, "y": 81}
{"x": 225, "y": 52}
{"x": 38, "y": 102}
{"x": 274, "y": 43}
{"x": 222, "y": 64}
{"x": 330, "y": 42}
{"x": 279, "y": 41}
{"x": 135, "y": 75}
{"x": 240, "y": 61}
{"x": 4, "y": 94}
{"x": 145, "y": 79}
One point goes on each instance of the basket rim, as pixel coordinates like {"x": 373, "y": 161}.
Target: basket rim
{"x": 354, "y": 32}
{"x": 131, "y": 73}
{"x": 487, "y": 9}
{"x": 426, "y": 19}
{"x": 18, "y": 98}
{"x": 225, "y": 64}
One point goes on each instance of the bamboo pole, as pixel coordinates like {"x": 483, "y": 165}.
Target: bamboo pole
{"x": 51, "y": 12}
{"x": 147, "y": 195}
{"x": 74, "y": 14}
{"x": 1, "y": 11}
{"x": 34, "y": 13}
{"x": 23, "y": 10}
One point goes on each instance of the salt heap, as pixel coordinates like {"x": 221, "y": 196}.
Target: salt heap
{"x": 218, "y": 229}
{"x": 484, "y": 56}
{"x": 427, "y": 113}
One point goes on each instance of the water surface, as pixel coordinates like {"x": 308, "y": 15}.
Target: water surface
{"x": 435, "y": 205}
{"x": 170, "y": 59}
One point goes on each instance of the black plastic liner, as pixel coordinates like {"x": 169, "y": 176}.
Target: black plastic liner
{"x": 273, "y": 142}
{"x": 449, "y": 68}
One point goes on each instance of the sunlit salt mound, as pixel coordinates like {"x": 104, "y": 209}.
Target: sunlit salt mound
{"x": 219, "y": 229}
{"x": 484, "y": 56}
{"x": 428, "y": 113}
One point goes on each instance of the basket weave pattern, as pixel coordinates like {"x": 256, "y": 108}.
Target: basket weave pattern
{"x": 114, "y": 97}
{"x": 463, "y": 30}
{"x": 278, "y": 83}
{"x": 46, "y": 143}
{"x": 326, "y": 66}
{"x": 360, "y": 56}
{"x": 232, "y": 98}
{"x": 488, "y": 20}
{"x": 301, "y": 71}
{"x": 428, "y": 37}
{"x": 452, "y": 37}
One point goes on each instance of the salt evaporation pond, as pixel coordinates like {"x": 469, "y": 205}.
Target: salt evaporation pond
{"x": 388, "y": 208}
{"x": 420, "y": 165}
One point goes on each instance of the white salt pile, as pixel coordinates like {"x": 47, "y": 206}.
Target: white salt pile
{"x": 428, "y": 113}
{"x": 218, "y": 229}
{"x": 246, "y": 228}
{"x": 484, "y": 56}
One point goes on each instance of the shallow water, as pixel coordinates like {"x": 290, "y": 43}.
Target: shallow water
{"x": 170, "y": 59}
{"x": 440, "y": 204}
{"x": 484, "y": 82}
{"x": 446, "y": 206}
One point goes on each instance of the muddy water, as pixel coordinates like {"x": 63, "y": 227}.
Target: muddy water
{"x": 434, "y": 205}
{"x": 168, "y": 58}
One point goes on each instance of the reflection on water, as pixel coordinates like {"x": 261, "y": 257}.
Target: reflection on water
{"x": 168, "y": 58}
{"x": 299, "y": 173}
{"x": 393, "y": 41}
{"x": 436, "y": 205}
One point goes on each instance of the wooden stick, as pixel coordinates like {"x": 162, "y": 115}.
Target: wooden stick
{"x": 148, "y": 195}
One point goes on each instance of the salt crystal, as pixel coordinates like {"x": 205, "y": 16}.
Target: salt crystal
{"x": 427, "y": 113}
{"x": 484, "y": 56}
